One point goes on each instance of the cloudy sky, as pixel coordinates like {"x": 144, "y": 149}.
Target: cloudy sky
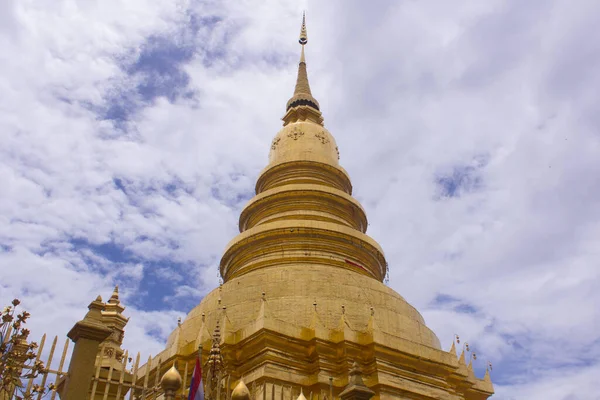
{"x": 133, "y": 132}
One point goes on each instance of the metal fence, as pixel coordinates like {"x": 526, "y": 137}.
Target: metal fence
{"x": 49, "y": 376}
{"x": 106, "y": 384}
{"x": 126, "y": 379}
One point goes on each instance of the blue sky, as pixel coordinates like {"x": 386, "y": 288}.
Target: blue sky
{"x": 134, "y": 130}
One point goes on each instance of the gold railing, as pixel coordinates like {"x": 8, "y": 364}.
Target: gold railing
{"x": 124, "y": 379}
{"x": 106, "y": 383}
{"x": 49, "y": 374}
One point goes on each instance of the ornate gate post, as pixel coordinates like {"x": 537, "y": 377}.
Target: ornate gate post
{"x": 87, "y": 335}
{"x": 170, "y": 383}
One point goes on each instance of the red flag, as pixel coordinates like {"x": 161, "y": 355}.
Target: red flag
{"x": 196, "y": 389}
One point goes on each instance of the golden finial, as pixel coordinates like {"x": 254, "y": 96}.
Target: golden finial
{"x": 489, "y": 366}
{"x": 457, "y": 338}
{"x": 303, "y": 38}
{"x": 171, "y": 380}
{"x": 178, "y": 321}
{"x": 114, "y": 299}
{"x": 301, "y": 396}
{"x": 240, "y": 392}
{"x": 302, "y": 96}
{"x": 95, "y": 309}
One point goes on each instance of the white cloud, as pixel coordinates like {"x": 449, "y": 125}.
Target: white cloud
{"x": 414, "y": 92}
{"x": 566, "y": 384}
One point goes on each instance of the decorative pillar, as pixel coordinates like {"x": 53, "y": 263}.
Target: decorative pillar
{"x": 171, "y": 383}
{"x": 87, "y": 335}
{"x": 113, "y": 318}
{"x": 356, "y": 388}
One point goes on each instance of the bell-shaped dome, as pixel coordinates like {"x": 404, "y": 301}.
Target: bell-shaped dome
{"x": 304, "y": 141}
{"x": 240, "y": 392}
{"x": 171, "y": 380}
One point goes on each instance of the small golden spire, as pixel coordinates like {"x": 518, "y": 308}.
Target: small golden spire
{"x": 301, "y": 396}
{"x": 470, "y": 372}
{"x": 95, "y": 309}
{"x": 453, "y": 349}
{"x": 487, "y": 377}
{"x": 303, "y": 38}
{"x": 356, "y": 388}
{"x": 240, "y": 392}
{"x": 114, "y": 299}
{"x": 302, "y": 95}
{"x": 461, "y": 359}
{"x": 171, "y": 380}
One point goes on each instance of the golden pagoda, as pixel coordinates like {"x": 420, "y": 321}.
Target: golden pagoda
{"x": 303, "y": 310}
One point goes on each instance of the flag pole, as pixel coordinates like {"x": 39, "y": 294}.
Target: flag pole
{"x": 201, "y": 367}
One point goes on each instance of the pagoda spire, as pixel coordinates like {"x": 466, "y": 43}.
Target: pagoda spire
{"x": 304, "y": 194}
{"x": 112, "y": 317}
{"x": 114, "y": 299}
{"x": 302, "y": 94}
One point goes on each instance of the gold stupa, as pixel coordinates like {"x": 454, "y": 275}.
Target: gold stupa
{"x": 303, "y": 297}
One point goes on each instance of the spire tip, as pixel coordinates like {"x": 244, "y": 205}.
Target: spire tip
{"x": 303, "y": 38}
{"x": 302, "y": 96}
